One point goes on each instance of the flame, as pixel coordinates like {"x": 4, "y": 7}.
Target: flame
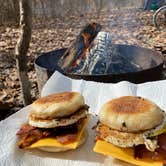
{"x": 86, "y": 38}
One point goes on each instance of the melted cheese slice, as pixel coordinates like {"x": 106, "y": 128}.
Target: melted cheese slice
{"x": 124, "y": 154}
{"x": 52, "y": 142}
{"x": 159, "y": 132}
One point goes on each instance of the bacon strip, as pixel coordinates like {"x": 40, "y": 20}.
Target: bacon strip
{"x": 29, "y": 138}
{"x": 140, "y": 151}
{"x": 25, "y": 128}
{"x": 29, "y": 134}
{"x": 162, "y": 141}
{"x": 66, "y": 139}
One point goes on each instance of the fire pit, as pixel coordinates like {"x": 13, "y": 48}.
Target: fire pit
{"x": 150, "y": 66}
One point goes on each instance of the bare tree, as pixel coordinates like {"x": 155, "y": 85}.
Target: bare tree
{"x": 22, "y": 48}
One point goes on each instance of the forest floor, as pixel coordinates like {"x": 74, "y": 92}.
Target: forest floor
{"x": 130, "y": 26}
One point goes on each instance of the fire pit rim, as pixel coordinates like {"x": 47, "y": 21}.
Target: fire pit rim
{"x": 96, "y": 77}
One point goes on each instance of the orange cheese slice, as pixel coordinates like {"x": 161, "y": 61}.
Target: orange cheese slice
{"x": 54, "y": 143}
{"x": 125, "y": 154}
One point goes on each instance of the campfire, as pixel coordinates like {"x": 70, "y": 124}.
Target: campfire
{"x": 93, "y": 53}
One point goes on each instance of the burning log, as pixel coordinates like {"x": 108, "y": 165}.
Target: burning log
{"x": 77, "y": 51}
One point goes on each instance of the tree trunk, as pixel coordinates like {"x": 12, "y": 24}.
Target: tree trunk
{"x": 22, "y": 48}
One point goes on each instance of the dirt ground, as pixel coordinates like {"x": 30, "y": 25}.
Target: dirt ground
{"x": 128, "y": 26}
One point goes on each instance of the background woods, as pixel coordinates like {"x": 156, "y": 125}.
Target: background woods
{"x": 59, "y": 8}
{"x": 55, "y": 24}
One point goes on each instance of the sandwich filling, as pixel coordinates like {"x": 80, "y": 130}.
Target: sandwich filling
{"x": 56, "y": 122}
{"x": 64, "y": 132}
{"x": 64, "y": 135}
{"x": 133, "y": 129}
{"x": 141, "y": 151}
{"x": 147, "y": 144}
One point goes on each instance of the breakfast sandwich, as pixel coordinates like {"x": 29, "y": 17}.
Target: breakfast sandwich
{"x": 56, "y": 123}
{"x": 132, "y": 129}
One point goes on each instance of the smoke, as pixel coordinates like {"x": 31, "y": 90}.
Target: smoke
{"x": 123, "y": 25}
